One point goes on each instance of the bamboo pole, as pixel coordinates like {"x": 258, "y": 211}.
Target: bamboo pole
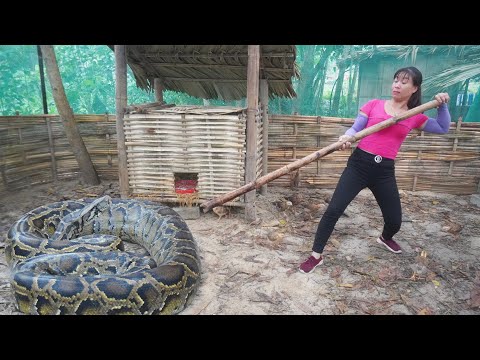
{"x": 51, "y": 145}
{"x": 2, "y": 169}
{"x": 319, "y": 119}
{"x": 208, "y": 205}
{"x": 455, "y": 143}
{"x": 419, "y": 154}
{"x": 120, "y": 105}
{"x": 158, "y": 86}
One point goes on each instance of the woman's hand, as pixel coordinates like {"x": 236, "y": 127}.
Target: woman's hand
{"x": 442, "y": 98}
{"x": 348, "y": 144}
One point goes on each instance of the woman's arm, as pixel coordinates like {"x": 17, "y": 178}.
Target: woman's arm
{"x": 359, "y": 124}
{"x": 441, "y": 124}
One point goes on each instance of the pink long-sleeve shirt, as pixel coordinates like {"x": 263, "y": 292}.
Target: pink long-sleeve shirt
{"x": 386, "y": 142}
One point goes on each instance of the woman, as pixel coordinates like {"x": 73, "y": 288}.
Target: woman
{"x": 372, "y": 163}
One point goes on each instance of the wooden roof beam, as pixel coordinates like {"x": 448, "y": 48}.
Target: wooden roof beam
{"x": 222, "y": 66}
{"x": 221, "y": 80}
{"x": 216, "y": 56}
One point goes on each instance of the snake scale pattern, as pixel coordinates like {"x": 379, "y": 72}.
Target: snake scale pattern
{"x": 68, "y": 258}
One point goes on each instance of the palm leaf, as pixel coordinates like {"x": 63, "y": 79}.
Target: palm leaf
{"x": 453, "y": 75}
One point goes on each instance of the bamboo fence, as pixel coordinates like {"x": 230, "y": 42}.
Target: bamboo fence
{"x": 448, "y": 163}
{"x": 210, "y": 142}
{"x": 34, "y": 149}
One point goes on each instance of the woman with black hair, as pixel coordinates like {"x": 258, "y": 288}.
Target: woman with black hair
{"x": 371, "y": 165}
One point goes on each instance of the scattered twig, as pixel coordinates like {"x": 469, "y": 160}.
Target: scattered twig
{"x": 365, "y": 274}
{"x": 204, "y": 307}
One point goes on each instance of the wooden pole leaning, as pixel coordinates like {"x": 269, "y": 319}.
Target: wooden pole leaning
{"x": 208, "y": 205}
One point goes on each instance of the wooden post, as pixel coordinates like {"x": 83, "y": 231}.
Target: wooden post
{"x": 120, "y": 105}
{"x": 295, "y": 133}
{"x": 419, "y": 155}
{"x": 20, "y": 142}
{"x": 264, "y": 102}
{"x": 109, "y": 156}
{"x": 158, "y": 86}
{"x": 2, "y": 166}
{"x": 319, "y": 121}
{"x": 24, "y": 155}
{"x": 52, "y": 149}
{"x": 455, "y": 143}
{"x": 42, "y": 79}
{"x": 252, "y": 107}
{"x": 4, "y": 176}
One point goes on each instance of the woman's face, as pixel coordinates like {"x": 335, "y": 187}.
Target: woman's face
{"x": 402, "y": 87}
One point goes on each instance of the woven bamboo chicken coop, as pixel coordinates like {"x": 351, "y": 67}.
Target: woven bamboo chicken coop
{"x": 168, "y": 151}
{"x": 188, "y": 153}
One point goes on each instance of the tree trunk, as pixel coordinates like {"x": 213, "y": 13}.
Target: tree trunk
{"x": 351, "y": 89}
{"x": 306, "y": 81}
{"x": 339, "y": 83}
{"x": 320, "y": 77}
{"x": 87, "y": 170}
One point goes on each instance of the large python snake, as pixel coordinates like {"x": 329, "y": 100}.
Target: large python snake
{"x": 68, "y": 258}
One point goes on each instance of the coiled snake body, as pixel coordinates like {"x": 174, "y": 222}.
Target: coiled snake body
{"x": 67, "y": 258}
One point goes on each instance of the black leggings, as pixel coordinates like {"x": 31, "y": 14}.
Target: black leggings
{"x": 362, "y": 172}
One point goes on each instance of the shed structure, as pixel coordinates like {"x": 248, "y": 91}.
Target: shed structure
{"x": 213, "y": 149}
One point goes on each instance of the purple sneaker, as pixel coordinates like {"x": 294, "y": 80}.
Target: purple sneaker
{"x": 310, "y": 264}
{"x": 390, "y": 245}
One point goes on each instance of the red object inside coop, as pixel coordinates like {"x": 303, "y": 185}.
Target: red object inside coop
{"x": 185, "y": 186}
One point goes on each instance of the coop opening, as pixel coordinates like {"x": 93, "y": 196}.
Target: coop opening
{"x": 186, "y": 188}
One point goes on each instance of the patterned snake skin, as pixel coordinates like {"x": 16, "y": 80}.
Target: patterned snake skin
{"x": 67, "y": 258}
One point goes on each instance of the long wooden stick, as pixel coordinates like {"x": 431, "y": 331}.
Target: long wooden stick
{"x": 208, "y": 205}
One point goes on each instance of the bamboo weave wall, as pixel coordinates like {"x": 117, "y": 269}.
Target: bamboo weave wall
{"x": 448, "y": 163}
{"x": 34, "y": 149}
{"x": 259, "y": 121}
{"x": 210, "y": 142}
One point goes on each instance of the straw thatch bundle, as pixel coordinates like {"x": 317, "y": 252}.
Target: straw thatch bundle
{"x": 212, "y": 71}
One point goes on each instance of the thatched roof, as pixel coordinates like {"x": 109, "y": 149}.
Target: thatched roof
{"x": 212, "y": 71}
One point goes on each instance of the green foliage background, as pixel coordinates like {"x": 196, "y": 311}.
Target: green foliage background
{"x": 88, "y": 73}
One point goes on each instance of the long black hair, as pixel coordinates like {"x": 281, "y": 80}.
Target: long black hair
{"x": 417, "y": 78}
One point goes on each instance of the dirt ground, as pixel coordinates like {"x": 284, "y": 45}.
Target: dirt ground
{"x": 253, "y": 268}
